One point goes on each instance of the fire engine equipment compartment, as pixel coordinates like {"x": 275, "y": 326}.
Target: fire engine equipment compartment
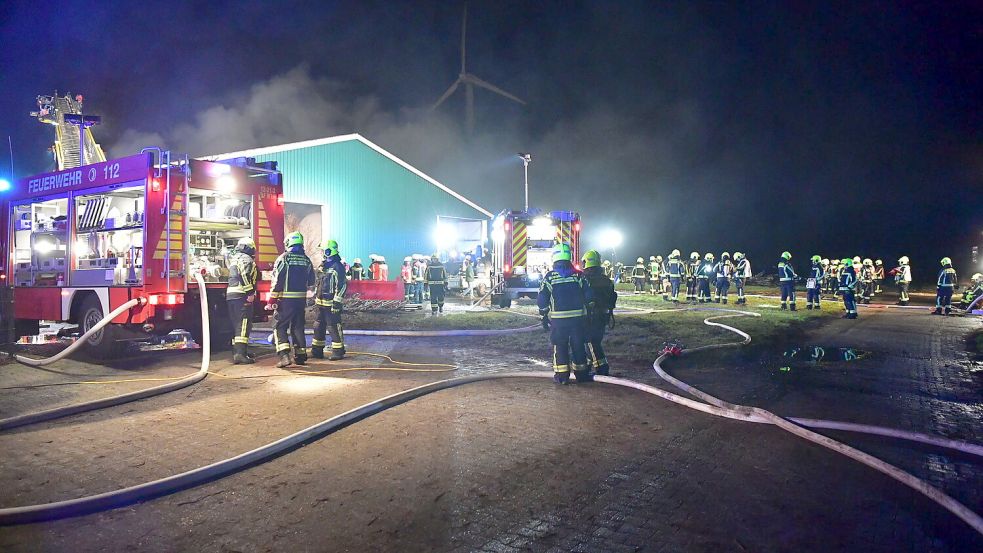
{"x": 217, "y": 220}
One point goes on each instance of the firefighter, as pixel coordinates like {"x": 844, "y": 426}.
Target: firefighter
{"x": 356, "y": 272}
{"x": 564, "y": 298}
{"x": 833, "y": 277}
{"x": 437, "y": 281}
{"x": 241, "y": 297}
{"x": 293, "y": 274}
{"x": 406, "y": 275}
{"x": 946, "y": 285}
{"x": 328, "y": 294}
{"x": 814, "y": 283}
{"x": 608, "y": 270}
{"x": 878, "y": 276}
{"x": 824, "y": 283}
{"x": 848, "y": 286}
{"x": 742, "y": 274}
{"x": 974, "y": 291}
{"x": 867, "y": 281}
{"x": 703, "y": 278}
{"x": 605, "y": 299}
{"x": 379, "y": 269}
{"x": 724, "y": 270}
{"x": 902, "y": 277}
{"x": 676, "y": 270}
{"x": 655, "y": 274}
{"x": 467, "y": 274}
{"x": 639, "y": 274}
{"x": 664, "y": 271}
{"x": 419, "y": 277}
{"x": 692, "y": 274}
{"x": 786, "y": 281}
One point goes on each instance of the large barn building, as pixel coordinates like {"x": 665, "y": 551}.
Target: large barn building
{"x": 351, "y": 190}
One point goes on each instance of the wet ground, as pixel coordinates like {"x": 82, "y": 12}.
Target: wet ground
{"x": 519, "y": 465}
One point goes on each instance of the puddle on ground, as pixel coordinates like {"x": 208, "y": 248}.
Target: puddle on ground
{"x": 804, "y": 357}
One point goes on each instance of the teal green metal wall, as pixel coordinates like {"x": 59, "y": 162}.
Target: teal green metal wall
{"x": 374, "y": 204}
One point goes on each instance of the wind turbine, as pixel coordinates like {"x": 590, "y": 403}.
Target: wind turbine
{"x": 470, "y": 81}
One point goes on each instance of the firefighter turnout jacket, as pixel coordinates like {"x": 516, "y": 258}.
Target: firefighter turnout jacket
{"x": 242, "y": 275}
{"x": 331, "y": 283}
{"x": 565, "y": 293}
{"x": 293, "y": 274}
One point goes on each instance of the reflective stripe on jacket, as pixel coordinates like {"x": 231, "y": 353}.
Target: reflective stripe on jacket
{"x": 242, "y": 275}
{"x": 293, "y": 274}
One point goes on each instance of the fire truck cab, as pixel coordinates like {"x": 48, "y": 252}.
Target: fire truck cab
{"x": 522, "y": 246}
{"x": 83, "y": 241}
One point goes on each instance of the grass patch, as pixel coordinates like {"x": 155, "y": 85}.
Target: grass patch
{"x": 422, "y": 320}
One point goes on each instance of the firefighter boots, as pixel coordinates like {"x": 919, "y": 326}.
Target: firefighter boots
{"x": 239, "y": 355}
{"x": 284, "y": 360}
{"x": 337, "y": 354}
{"x": 317, "y": 352}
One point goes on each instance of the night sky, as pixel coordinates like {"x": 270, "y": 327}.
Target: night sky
{"x": 842, "y": 129}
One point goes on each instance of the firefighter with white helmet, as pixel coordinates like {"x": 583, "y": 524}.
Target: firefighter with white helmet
{"x": 406, "y": 276}
{"x": 867, "y": 281}
{"x": 328, "y": 294}
{"x": 241, "y": 296}
{"x": 703, "y": 277}
{"x": 293, "y": 274}
{"x": 564, "y": 299}
{"x": 419, "y": 277}
{"x": 878, "y": 275}
{"x": 356, "y": 272}
{"x": 639, "y": 274}
{"x": 946, "y": 286}
{"x": 724, "y": 269}
{"x": 902, "y": 277}
{"x": 833, "y": 276}
{"x": 974, "y": 291}
{"x": 742, "y": 274}
{"x": 692, "y": 272}
{"x": 814, "y": 284}
{"x": 675, "y": 270}
{"x": 655, "y": 274}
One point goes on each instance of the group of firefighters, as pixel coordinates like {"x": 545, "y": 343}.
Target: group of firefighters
{"x": 577, "y": 307}
{"x": 698, "y": 275}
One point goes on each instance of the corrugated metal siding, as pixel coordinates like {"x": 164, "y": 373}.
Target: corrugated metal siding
{"x": 374, "y": 205}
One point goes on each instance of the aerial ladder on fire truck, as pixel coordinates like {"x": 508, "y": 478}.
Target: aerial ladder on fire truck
{"x": 74, "y": 144}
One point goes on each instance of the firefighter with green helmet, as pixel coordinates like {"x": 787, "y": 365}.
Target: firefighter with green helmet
{"x": 564, "y": 299}
{"x": 240, "y": 297}
{"x": 848, "y": 288}
{"x": 946, "y": 286}
{"x": 329, "y": 291}
{"x": 605, "y": 300}
{"x": 293, "y": 274}
{"x": 786, "y": 281}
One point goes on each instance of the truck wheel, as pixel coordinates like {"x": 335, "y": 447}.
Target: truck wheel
{"x": 505, "y": 302}
{"x": 104, "y": 344}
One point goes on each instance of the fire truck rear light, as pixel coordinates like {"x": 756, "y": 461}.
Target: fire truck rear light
{"x": 576, "y": 266}
{"x": 279, "y": 199}
{"x": 155, "y": 185}
{"x": 165, "y": 299}
{"x": 508, "y": 268}
{"x": 576, "y": 227}
{"x": 153, "y": 300}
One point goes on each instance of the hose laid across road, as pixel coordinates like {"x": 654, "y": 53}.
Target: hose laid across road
{"x": 714, "y": 406}
{"x": 58, "y": 412}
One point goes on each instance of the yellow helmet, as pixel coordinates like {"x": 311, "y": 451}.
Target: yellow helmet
{"x": 561, "y": 252}
{"x": 294, "y": 239}
{"x": 330, "y": 247}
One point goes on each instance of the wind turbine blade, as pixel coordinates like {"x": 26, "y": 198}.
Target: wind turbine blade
{"x": 446, "y": 94}
{"x": 488, "y": 86}
{"x": 464, "y": 36}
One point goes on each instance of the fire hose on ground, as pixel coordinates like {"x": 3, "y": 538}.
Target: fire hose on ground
{"x": 714, "y": 406}
{"x": 58, "y": 412}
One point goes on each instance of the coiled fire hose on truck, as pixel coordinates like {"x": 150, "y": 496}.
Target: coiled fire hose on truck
{"x": 58, "y": 412}
{"x": 211, "y": 472}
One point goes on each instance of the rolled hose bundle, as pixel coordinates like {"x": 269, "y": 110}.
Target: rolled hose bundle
{"x": 59, "y": 412}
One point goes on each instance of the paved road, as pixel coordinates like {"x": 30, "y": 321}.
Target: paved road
{"x": 524, "y": 465}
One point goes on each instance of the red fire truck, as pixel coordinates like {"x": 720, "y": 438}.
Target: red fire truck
{"x": 522, "y": 246}
{"x": 83, "y": 241}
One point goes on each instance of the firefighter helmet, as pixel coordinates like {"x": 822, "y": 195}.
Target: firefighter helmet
{"x": 738, "y": 256}
{"x": 708, "y": 257}
{"x": 639, "y": 260}
{"x": 816, "y": 259}
{"x": 878, "y": 263}
{"x": 824, "y": 261}
{"x": 652, "y": 258}
{"x": 694, "y": 256}
{"x": 856, "y": 260}
{"x": 725, "y": 255}
{"x": 246, "y": 245}
{"x": 358, "y": 261}
{"x": 868, "y": 262}
{"x": 977, "y": 277}
{"x": 847, "y": 262}
{"x": 903, "y": 260}
{"x": 330, "y": 247}
{"x": 607, "y": 263}
{"x": 675, "y": 253}
{"x": 407, "y": 258}
{"x": 591, "y": 259}
{"x": 561, "y": 252}
{"x": 434, "y": 258}
{"x": 658, "y": 259}
{"x": 294, "y": 239}
{"x": 786, "y": 255}
{"x": 946, "y": 261}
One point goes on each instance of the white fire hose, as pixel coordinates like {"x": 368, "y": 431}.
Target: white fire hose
{"x": 58, "y": 412}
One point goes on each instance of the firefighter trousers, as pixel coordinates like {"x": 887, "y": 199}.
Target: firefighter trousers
{"x": 788, "y": 293}
{"x": 690, "y": 289}
{"x": 903, "y": 292}
{"x": 723, "y": 285}
{"x": 739, "y": 286}
{"x": 288, "y": 325}
{"x": 704, "y": 292}
{"x": 850, "y": 304}
{"x": 674, "y": 283}
{"x": 596, "y": 328}
{"x": 567, "y": 337}
{"x": 639, "y": 284}
{"x": 813, "y": 297}
{"x": 437, "y": 297}
{"x": 328, "y": 322}
{"x": 943, "y": 298}
{"x": 241, "y": 317}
